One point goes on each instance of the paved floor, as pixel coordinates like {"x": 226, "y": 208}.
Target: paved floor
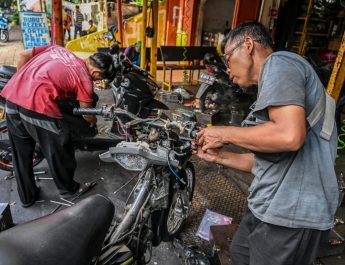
{"x": 9, "y": 51}
{"x": 212, "y": 184}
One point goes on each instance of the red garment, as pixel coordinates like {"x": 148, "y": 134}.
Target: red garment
{"x": 53, "y": 74}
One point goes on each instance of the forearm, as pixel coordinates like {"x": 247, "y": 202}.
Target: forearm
{"x": 262, "y": 138}
{"x": 285, "y": 131}
{"x": 243, "y": 162}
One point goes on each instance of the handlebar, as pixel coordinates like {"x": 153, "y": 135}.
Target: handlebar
{"x": 88, "y": 111}
{"x": 189, "y": 132}
{"x": 106, "y": 112}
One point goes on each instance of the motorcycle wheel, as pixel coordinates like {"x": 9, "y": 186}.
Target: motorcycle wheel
{"x": 178, "y": 212}
{"x": 6, "y": 162}
{"x": 4, "y": 36}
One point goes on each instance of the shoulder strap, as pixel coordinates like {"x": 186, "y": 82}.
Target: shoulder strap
{"x": 326, "y": 105}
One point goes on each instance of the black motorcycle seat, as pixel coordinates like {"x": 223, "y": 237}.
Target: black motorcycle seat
{"x": 7, "y": 70}
{"x": 72, "y": 236}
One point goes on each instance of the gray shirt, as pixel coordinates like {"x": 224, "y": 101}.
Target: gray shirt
{"x": 294, "y": 189}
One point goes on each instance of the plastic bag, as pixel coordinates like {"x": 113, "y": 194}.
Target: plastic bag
{"x": 211, "y": 218}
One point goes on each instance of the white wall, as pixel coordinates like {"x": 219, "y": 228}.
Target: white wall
{"x": 217, "y": 12}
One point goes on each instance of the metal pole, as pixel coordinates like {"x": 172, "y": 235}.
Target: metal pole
{"x": 119, "y": 21}
{"x": 143, "y": 34}
{"x": 57, "y": 30}
{"x": 179, "y": 34}
{"x": 105, "y": 14}
{"x": 153, "y": 66}
{"x": 337, "y": 78}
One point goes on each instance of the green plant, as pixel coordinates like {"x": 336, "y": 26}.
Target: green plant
{"x": 15, "y": 19}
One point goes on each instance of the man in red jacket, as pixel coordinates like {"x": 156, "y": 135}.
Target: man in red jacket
{"x": 47, "y": 75}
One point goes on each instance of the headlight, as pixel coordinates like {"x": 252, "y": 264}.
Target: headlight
{"x": 131, "y": 162}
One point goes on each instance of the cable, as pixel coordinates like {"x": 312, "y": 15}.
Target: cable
{"x": 178, "y": 178}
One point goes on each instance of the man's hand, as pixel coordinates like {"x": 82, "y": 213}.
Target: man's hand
{"x": 243, "y": 162}
{"x": 211, "y": 137}
{"x": 210, "y": 155}
{"x": 91, "y": 119}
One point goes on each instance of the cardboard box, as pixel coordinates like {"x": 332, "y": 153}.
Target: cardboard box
{"x": 6, "y": 220}
{"x": 334, "y": 45}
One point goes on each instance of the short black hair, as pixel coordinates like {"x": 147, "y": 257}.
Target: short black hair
{"x": 76, "y": 6}
{"x": 103, "y": 62}
{"x": 252, "y": 29}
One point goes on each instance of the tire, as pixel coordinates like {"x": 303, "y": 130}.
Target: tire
{"x": 172, "y": 222}
{"x": 4, "y": 36}
{"x": 6, "y": 162}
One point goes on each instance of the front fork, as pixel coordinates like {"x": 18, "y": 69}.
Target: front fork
{"x": 2, "y": 32}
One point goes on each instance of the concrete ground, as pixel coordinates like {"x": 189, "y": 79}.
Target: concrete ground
{"x": 216, "y": 189}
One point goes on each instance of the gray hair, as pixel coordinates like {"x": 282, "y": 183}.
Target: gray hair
{"x": 254, "y": 30}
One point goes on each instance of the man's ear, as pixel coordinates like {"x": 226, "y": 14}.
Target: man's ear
{"x": 249, "y": 44}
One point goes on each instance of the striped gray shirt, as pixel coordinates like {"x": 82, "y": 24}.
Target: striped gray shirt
{"x": 79, "y": 18}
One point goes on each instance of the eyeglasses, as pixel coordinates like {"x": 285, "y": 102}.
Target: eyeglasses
{"x": 226, "y": 56}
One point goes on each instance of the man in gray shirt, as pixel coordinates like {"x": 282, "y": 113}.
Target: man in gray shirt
{"x": 78, "y": 22}
{"x": 294, "y": 194}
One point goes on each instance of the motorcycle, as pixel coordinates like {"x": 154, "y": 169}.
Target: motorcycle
{"x": 133, "y": 89}
{"x": 156, "y": 208}
{"x": 218, "y": 96}
{"x": 4, "y": 36}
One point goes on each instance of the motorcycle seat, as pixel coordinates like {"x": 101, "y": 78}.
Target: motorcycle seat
{"x": 8, "y": 71}
{"x": 71, "y": 236}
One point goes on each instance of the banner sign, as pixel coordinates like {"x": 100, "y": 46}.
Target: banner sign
{"x": 34, "y": 29}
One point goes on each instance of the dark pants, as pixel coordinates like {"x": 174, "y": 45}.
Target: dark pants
{"x": 76, "y": 30}
{"x": 26, "y": 128}
{"x": 259, "y": 243}
{"x": 68, "y": 32}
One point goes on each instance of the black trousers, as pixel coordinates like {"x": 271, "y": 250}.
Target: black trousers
{"x": 26, "y": 128}
{"x": 76, "y": 30}
{"x": 68, "y": 32}
{"x": 259, "y": 243}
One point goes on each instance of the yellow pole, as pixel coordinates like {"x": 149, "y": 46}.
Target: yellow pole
{"x": 153, "y": 66}
{"x": 337, "y": 78}
{"x": 119, "y": 21}
{"x": 105, "y": 14}
{"x": 143, "y": 41}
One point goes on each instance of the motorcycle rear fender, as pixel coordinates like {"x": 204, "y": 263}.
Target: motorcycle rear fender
{"x": 202, "y": 89}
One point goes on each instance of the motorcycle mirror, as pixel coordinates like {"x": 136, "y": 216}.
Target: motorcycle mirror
{"x": 113, "y": 29}
{"x": 108, "y": 36}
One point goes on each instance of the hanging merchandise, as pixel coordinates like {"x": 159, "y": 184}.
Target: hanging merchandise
{"x": 150, "y": 30}
{"x": 325, "y": 8}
